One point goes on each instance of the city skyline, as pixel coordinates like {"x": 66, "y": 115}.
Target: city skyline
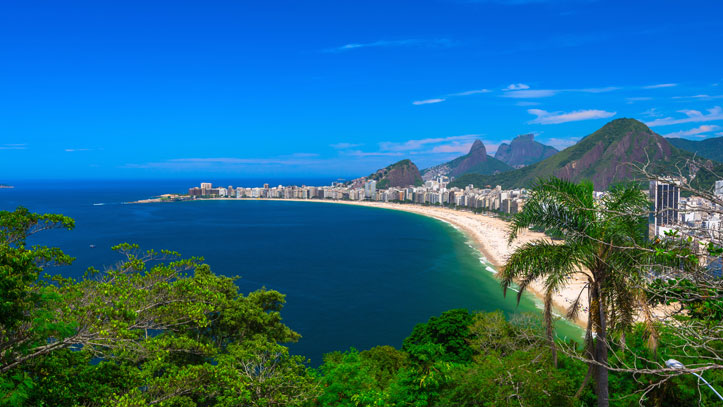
{"x": 339, "y": 90}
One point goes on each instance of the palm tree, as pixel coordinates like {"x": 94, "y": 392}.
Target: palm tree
{"x": 601, "y": 239}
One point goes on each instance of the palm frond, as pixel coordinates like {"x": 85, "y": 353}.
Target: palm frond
{"x": 540, "y": 258}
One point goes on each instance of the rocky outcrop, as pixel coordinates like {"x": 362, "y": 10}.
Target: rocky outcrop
{"x": 475, "y": 161}
{"x": 400, "y": 174}
{"x": 523, "y": 150}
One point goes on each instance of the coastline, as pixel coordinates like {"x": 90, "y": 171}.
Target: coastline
{"x": 488, "y": 234}
{"x": 490, "y": 237}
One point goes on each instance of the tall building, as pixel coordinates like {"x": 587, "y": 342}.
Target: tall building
{"x": 370, "y": 189}
{"x": 665, "y": 196}
{"x": 719, "y": 188}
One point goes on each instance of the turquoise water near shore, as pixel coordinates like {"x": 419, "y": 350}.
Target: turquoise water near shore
{"x": 353, "y": 276}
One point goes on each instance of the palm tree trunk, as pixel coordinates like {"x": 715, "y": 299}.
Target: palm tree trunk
{"x": 601, "y": 351}
{"x": 549, "y": 327}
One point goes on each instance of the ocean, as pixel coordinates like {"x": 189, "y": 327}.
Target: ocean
{"x": 353, "y": 276}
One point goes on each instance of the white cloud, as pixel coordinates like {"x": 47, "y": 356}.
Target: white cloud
{"x": 693, "y": 116}
{"x": 411, "y": 42}
{"x": 72, "y": 150}
{"x": 517, "y": 86}
{"x": 522, "y": 91}
{"x": 13, "y": 147}
{"x": 638, "y": 99}
{"x": 595, "y": 90}
{"x": 696, "y": 132}
{"x": 344, "y": 146}
{"x": 719, "y": 134}
{"x": 527, "y": 103}
{"x": 561, "y": 143}
{"x": 700, "y": 97}
{"x": 427, "y": 101}
{"x": 410, "y": 145}
{"x": 660, "y": 85}
{"x": 359, "y": 153}
{"x": 545, "y": 117}
{"x": 652, "y": 112}
{"x": 226, "y": 163}
{"x": 462, "y": 148}
{"x": 438, "y": 100}
{"x": 470, "y": 92}
{"x": 530, "y": 93}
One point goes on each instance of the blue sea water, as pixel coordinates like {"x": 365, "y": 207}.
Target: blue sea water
{"x": 353, "y": 276}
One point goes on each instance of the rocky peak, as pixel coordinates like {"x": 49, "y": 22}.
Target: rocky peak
{"x": 524, "y": 137}
{"x": 477, "y": 147}
{"x": 523, "y": 150}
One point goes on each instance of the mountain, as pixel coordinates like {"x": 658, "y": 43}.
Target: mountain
{"x": 475, "y": 161}
{"x": 400, "y": 174}
{"x": 523, "y": 150}
{"x": 603, "y": 157}
{"x": 711, "y": 148}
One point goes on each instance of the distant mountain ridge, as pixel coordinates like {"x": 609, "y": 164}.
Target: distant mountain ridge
{"x": 711, "y": 148}
{"x": 523, "y": 150}
{"x": 400, "y": 174}
{"x": 602, "y": 157}
{"x": 475, "y": 161}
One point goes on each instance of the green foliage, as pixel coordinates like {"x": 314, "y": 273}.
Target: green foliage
{"x": 711, "y": 148}
{"x": 450, "y": 330}
{"x": 155, "y": 328}
{"x": 506, "y": 364}
{"x": 520, "y": 378}
{"x": 20, "y": 266}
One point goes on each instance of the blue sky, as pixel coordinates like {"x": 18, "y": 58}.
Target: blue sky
{"x": 338, "y": 88}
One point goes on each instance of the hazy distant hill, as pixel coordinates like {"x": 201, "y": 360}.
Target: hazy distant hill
{"x": 711, "y": 148}
{"x": 476, "y": 161}
{"x": 523, "y": 150}
{"x": 399, "y": 174}
{"x": 602, "y": 157}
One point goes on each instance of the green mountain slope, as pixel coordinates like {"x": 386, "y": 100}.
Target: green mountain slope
{"x": 476, "y": 161}
{"x": 604, "y": 157}
{"x": 400, "y": 174}
{"x": 711, "y": 148}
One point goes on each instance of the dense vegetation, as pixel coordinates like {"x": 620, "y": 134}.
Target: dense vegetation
{"x": 156, "y": 329}
{"x": 710, "y": 148}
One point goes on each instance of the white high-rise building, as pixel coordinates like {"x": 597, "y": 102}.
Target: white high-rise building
{"x": 370, "y": 189}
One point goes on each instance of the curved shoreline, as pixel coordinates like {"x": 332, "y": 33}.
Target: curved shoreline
{"x": 488, "y": 234}
{"x": 490, "y": 237}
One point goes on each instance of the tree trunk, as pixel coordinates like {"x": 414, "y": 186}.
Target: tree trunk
{"x": 601, "y": 351}
{"x": 549, "y": 327}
